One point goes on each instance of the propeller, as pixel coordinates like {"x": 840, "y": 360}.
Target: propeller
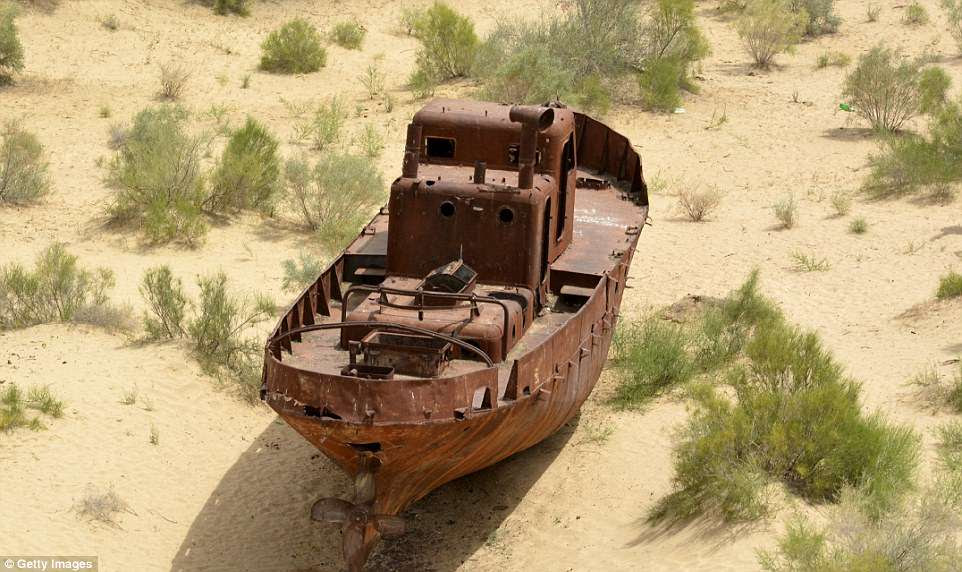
{"x": 357, "y": 518}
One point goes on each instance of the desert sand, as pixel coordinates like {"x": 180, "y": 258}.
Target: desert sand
{"x": 229, "y": 486}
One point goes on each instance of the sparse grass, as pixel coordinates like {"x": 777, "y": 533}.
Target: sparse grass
{"x": 802, "y": 262}
{"x": 324, "y": 128}
{"x": 215, "y": 330}
{"x": 950, "y": 286}
{"x": 117, "y": 136}
{"x": 294, "y": 48}
{"x": 246, "y": 81}
{"x": 157, "y": 174}
{"x": 129, "y": 396}
{"x": 717, "y": 120}
{"x": 166, "y": 304}
{"x": 11, "y": 49}
{"x": 58, "y": 289}
{"x": 595, "y": 432}
{"x": 249, "y": 171}
{"x": 835, "y": 59}
{"x": 841, "y": 203}
{"x": 301, "y": 273}
{"x": 388, "y": 102}
{"x": 768, "y": 28}
{"x": 872, "y": 12}
{"x": 884, "y": 88}
{"x": 335, "y": 197}
{"x": 915, "y": 15}
{"x": 109, "y": 22}
{"x": 153, "y": 437}
{"x": 173, "y": 81}
{"x": 858, "y": 226}
{"x": 651, "y": 358}
{"x": 101, "y": 507}
{"x": 23, "y": 167}
{"x": 103, "y": 111}
{"x": 786, "y": 211}
{"x": 348, "y": 34}
{"x": 370, "y": 142}
{"x": 698, "y": 205}
{"x": 15, "y": 407}
{"x": 373, "y": 80}
{"x": 949, "y": 446}
{"x": 936, "y": 391}
{"x": 953, "y": 13}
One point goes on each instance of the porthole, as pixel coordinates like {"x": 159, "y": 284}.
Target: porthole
{"x": 446, "y": 209}
{"x": 506, "y": 215}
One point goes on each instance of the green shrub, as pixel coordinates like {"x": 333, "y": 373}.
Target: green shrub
{"x": 23, "y": 170}
{"x": 411, "y": 20}
{"x": 248, "y": 175}
{"x": 837, "y": 59}
{"x": 795, "y": 418}
{"x": 370, "y": 142}
{"x": 915, "y": 14}
{"x": 651, "y": 358}
{"x": 659, "y": 84}
{"x": 373, "y": 80}
{"x": 324, "y": 128}
{"x": 157, "y": 174}
{"x": 858, "y": 226}
{"x": 953, "y": 13}
{"x": 818, "y": 15}
{"x": 14, "y": 407}
{"x": 884, "y": 88}
{"x": 808, "y": 262}
{"x": 933, "y": 86}
{"x": 950, "y": 286}
{"x": 295, "y": 47}
{"x": 215, "y": 331}
{"x": 57, "y": 290}
{"x": 301, "y": 273}
{"x": 348, "y": 34}
{"x": 11, "y": 50}
{"x": 842, "y": 203}
{"x": 335, "y": 197}
{"x": 768, "y": 28}
{"x": 448, "y": 47}
{"x": 950, "y": 446}
{"x": 954, "y": 397}
{"x": 226, "y": 7}
{"x": 166, "y": 304}
{"x": 786, "y": 211}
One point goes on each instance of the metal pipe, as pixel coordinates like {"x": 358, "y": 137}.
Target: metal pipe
{"x": 412, "y": 152}
{"x": 533, "y": 119}
{"x": 480, "y": 169}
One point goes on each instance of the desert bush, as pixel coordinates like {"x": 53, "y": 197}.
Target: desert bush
{"x": 373, "y": 80}
{"x": 15, "y": 407}
{"x": 842, "y": 203}
{"x": 651, "y": 357}
{"x": 659, "y": 84}
{"x": 933, "y": 86}
{"x": 768, "y": 28}
{"x": 324, "y": 128}
{"x": 884, "y": 88}
{"x": 786, "y": 211}
{"x": 23, "y": 169}
{"x": 410, "y": 21}
{"x": 158, "y": 178}
{"x": 335, "y": 197}
{"x": 953, "y": 13}
{"x": 301, "y": 273}
{"x": 918, "y": 536}
{"x": 11, "y": 50}
{"x": 837, "y": 59}
{"x": 949, "y": 446}
{"x": 950, "y": 286}
{"x": 101, "y": 507}
{"x": 166, "y": 304}
{"x": 117, "y": 136}
{"x": 802, "y": 262}
{"x": 915, "y": 14}
{"x": 248, "y": 174}
{"x": 295, "y": 47}
{"x": 699, "y": 204}
{"x": 129, "y": 396}
{"x": 226, "y": 7}
{"x": 872, "y": 12}
{"x": 109, "y": 22}
{"x": 215, "y": 330}
{"x": 173, "y": 80}
{"x": 448, "y": 43}
{"x": 858, "y": 226}
{"x": 56, "y": 290}
{"x": 349, "y": 34}
{"x": 818, "y": 15}
{"x": 370, "y": 142}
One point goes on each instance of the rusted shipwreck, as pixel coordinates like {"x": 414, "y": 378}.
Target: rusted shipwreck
{"x": 471, "y": 317}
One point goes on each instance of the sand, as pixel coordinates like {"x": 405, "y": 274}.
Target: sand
{"x": 228, "y": 486}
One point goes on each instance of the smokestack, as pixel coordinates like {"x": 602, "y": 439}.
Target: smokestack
{"x": 533, "y": 120}
{"x": 412, "y": 152}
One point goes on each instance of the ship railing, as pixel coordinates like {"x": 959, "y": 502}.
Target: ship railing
{"x": 419, "y": 303}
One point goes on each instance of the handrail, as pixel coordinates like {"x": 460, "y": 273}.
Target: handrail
{"x": 339, "y": 325}
{"x": 473, "y": 298}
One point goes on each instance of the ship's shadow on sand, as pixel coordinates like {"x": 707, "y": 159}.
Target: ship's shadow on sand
{"x": 258, "y": 516}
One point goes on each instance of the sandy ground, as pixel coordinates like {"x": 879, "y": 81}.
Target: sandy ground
{"x": 228, "y": 486}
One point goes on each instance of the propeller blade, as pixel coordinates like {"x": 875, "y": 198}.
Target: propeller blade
{"x": 353, "y": 545}
{"x": 331, "y": 510}
{"x": 389, "y": 525}
{"x": 364, "y": 487}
